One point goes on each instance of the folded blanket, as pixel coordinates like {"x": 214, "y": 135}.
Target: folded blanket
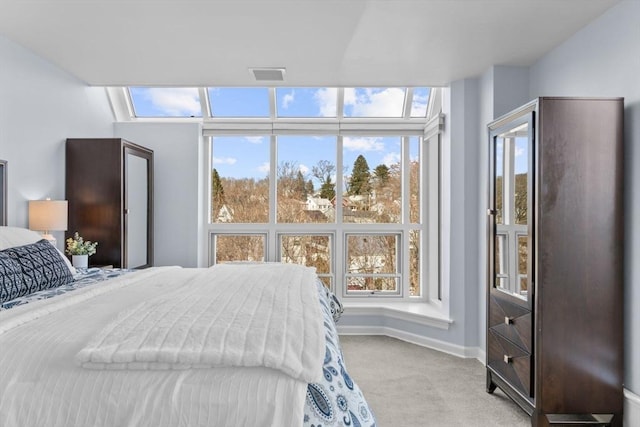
{"x": 229, "y": 315}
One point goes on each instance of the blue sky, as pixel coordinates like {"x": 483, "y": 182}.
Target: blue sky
{"x": 241, "y": 157}
{"x": 290, "y": 102}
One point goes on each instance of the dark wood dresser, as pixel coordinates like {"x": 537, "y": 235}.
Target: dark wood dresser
{"x": 555, "y": 253}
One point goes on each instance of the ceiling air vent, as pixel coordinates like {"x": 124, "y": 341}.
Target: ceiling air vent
{"x": 268, "y": 74}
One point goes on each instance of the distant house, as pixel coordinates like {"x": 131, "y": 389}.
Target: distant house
{"x": 318, "y": 204}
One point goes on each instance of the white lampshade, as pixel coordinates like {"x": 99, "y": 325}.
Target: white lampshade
{"x": 48, "y": 215}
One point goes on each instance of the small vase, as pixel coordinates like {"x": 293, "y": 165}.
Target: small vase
{"x": 80, "y": 261}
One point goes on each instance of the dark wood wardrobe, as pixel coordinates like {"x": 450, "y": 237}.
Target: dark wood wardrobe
{"x": 109, "y": 187}
{"x": 555, "y": 253}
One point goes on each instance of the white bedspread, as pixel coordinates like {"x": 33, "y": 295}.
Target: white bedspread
{"x": 42, "y": 385}
{"x": 267, "y": 316}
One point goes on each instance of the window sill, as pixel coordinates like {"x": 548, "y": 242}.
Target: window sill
{"x": 414, "y": 312}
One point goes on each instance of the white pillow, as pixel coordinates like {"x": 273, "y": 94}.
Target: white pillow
{"x": 16, "y": 236}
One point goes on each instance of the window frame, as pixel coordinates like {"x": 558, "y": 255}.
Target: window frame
{"x": 431, "y": 289}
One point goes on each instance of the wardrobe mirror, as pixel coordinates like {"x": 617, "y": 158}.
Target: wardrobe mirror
{"x": 512, "y": 183}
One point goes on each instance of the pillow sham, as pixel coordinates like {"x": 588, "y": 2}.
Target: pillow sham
{"x": 11, "y": 284}
{"x": 15, "y": 236}
{"x": 42, "y": 266}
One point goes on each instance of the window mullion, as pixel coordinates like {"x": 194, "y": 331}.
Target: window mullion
{"x": 340, "y": 258}
{"x": 405, "y": 154}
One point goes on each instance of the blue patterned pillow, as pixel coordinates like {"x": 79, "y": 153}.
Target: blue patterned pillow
{"x": 10, "y": 278}
{"x": 42, "y": 266}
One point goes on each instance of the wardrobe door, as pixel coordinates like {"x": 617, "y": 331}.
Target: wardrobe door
{"x": 137, "y": 209}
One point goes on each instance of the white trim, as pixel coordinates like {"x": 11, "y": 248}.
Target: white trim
{"x": 445, "y": 347}
{"x": 120, "y": 106}
{"x": 631, "y": 409}
{"x": 417, "y": 313}
{"x": 482, "y": 356}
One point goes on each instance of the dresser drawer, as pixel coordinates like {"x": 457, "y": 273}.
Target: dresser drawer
{"x": 510, "y": 361}
{"x": 512, "y": 322}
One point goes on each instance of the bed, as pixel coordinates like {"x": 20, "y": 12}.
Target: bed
{"x": 231, "y": 345}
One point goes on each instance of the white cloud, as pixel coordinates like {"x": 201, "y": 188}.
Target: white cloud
{"x": 363, "y": 144}
{"x": 519, "y": 151}
{"x": 175, "y": 101}
{"x": 304, "y": 169}
{"x": 264, "y": 167}
{"x": 255, "y": 139}
{"x": 419, "y": 104}
{"x": 224, "y": 160}
{"x": 288, "y": 99}
{"x": 391, "y": 159}
{"x": 327, "y": 100}
{"x": 375, "y": 103}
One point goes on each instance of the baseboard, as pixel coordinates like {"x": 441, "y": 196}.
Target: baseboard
{"x": 445, "y": 347}
{"x": 631, "y": 416}
{"x": 482, "y": 356}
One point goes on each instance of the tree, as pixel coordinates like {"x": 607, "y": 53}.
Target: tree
{"x": 359, "y": 182}
{"x": 217, "y": 190}
{"x": 328, "y": 189}
{"x": 381, "y": 172}
{"x": 322, "y": 172}
{"x": 308, "y": 187}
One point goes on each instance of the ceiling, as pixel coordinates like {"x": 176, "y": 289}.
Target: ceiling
{"x": 338, "y": 43}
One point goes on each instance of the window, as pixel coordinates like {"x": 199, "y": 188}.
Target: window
{"x": 165, "y": 102}
{"x": 269, "y": 103}
{"x": 306, "y": 178}
{"x": 312, "y": 250}
{"x": 342, "y": 179}
{"x": 239, "y": 102}
{"x": 365, "y": 240}
{"x": 240, "y": 179}
{"x": 420, "y": 102}
{"x": 238, "y": 247}
{"x": 372, "y": 263}
{"x": 306, "y": 102}
{"x": 374, "y": 102}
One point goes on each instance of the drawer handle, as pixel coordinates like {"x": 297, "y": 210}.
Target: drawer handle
{"x": 508, "y": 320}
{"x": 508, "y": 359}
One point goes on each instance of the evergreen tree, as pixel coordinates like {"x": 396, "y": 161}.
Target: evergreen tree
{"x": 381, "y": 172}
{"x": 328, "y": 190}
{"x": 323, "y": 171}
{"x": 308, "y": 187}
{"x": 359, "y": 183}
{"x": 217, "y": 191}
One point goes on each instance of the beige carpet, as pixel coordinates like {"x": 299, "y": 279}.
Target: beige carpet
{"x": 411, "y": 386}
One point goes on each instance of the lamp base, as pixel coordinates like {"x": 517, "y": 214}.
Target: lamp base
{"x": 50, "y": 238}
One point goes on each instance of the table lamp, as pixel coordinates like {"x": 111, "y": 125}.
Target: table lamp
{"x": 48, "y": 215}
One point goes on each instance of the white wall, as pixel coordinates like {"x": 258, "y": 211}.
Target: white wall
{"x": 177, "y": 192}
{"x": 41, "y": 106}
{"x": 603, "y": 59}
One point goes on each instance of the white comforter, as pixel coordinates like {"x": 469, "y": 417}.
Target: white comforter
{"x": 42, "y": 385}
{"x": 267, "y": 316}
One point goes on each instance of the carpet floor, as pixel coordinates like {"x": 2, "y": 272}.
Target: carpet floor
{"x": 407, "y": 385}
